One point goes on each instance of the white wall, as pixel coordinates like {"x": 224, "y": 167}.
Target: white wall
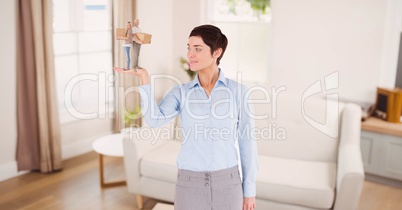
{"x": 8, "y": 121}
{"x": 170, "y": 22}
{"x": 156, "y": 19}
{"x": 313, "y": 38}
{"x": 186, "y": 16}
{"x": 77, "y": 136}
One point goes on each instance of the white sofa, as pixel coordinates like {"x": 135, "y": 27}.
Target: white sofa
{"x": 300, "y": 167}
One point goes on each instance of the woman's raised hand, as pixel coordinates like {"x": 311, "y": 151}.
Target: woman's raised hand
{"x": 139, "y": 72}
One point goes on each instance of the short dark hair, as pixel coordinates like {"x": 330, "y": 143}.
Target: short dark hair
{"x": 213, "y": 37}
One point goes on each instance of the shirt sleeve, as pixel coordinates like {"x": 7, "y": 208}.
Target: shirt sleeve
{"x": 168, "y": 108}
{"x": 247, "y": 146}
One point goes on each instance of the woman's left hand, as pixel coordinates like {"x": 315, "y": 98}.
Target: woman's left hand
{"x": 248, "y": 203}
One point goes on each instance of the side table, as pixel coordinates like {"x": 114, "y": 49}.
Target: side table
{"x": 110, "y": 145}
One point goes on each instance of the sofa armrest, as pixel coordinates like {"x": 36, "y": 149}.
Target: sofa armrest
{"x": 350, "y": 175}
{"x": 134, "y": 149}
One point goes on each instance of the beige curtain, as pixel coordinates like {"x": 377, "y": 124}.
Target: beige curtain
{"x": 127, "y": 98}
{"x": 38, "y": 146}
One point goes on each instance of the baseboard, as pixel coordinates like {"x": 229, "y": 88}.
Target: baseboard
{"x": 9, "y": 170}
{"x": 79, "y": 148}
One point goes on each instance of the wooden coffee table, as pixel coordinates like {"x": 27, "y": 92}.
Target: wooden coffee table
{"x": 110, "y": 145}
{"x": 163, "y": 206}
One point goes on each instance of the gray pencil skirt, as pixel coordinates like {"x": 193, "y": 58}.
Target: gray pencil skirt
{"x": 217, "y": 190}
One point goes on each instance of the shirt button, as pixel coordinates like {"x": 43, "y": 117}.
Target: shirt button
{"x": 206, "y": 184}
{"x": 207, "y": 174}
{"x": 207, "y": 179}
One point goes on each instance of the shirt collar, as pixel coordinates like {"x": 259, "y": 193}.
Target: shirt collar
{"x": 221, "y": 79}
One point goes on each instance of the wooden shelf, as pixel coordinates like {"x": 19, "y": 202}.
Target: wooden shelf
{"x": 380, "y": 126}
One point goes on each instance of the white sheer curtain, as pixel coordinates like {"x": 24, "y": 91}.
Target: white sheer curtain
{"x": 123, "y": 11}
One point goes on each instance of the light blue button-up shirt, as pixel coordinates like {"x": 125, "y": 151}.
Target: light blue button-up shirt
{"x": 210, "y": 126}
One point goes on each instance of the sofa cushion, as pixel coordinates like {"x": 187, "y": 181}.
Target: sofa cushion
{"x": 293, "y": 131}
{"x": 161, "y": 163}
{"x": 304, "y": 183}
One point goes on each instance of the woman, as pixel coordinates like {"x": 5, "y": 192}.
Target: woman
{"x": 128, "y": 39}
{"x": 213, "y": 116}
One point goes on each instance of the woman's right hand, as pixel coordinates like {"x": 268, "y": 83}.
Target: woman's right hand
{"x": 139, "y": 72}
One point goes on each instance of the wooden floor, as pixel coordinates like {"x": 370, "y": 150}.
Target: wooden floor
{"x": 77, "y": 187}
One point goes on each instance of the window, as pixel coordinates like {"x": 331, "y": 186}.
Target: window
{"x": 242, "y": 10}
{"x": 83, "y": 55}
{"x": 246, "y": 23}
